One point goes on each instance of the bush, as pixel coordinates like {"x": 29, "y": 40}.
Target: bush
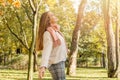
{"x": 19, "y": 62}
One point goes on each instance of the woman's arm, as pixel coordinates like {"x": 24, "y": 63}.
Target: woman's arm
{"x": 47, "y": 48}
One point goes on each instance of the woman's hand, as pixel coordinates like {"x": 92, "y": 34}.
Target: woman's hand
{"x": 41, "y": 72}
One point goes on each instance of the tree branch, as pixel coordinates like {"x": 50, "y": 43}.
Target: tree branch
{"x": 32, "y": 5}
{"x": 39, "y": 4}
{"x": 26, "y": 11}
{"x": 21, "y": 26}
{"x": 14, "y": 34}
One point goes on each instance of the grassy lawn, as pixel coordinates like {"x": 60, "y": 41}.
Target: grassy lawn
{"x": 82, "y": 74}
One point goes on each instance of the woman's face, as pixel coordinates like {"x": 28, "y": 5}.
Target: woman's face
{"x": 53, "y": 18}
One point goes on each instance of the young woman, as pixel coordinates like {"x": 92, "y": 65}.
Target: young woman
{"x": 51, "y": 41}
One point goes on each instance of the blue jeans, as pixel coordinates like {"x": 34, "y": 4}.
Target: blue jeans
{"x": 58, "y": 71}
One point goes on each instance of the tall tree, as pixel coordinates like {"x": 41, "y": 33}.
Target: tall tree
{"x": 117, "y": 74}
{"x": 111, "y": 56}
{"x": 75, "y": 38}
{"x": 35, "y": 8}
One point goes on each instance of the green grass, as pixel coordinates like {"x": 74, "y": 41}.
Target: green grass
{"x": 82, "y": 74}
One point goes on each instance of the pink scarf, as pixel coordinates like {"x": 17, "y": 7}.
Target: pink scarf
{"x": 52, "y": 30}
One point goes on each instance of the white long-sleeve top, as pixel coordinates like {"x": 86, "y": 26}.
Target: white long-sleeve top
{"x": 50, "y": 54}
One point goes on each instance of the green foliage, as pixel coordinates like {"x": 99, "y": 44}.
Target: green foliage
{"x": 18, "y": 21}
{"x": 92, "y": 42}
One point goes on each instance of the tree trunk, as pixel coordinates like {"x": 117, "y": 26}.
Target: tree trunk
{"x": 35, "y": 62}
{"x": 111, "y": 56}
{"x": 35, "y": 7}
{"x": 71, "y": 70}
{"x": 117, "y": 74}
{"x": 4, "y": 58}
{"x": 103, "y": 60}
{"x": 30, "y": 66}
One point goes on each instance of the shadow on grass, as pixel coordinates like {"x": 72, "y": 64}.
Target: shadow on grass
{"x": 92, "y": 67}
{"x": 86, "y": 77}
{"x": 36, "y": 79}
{"x": 45, "y": 79}
{"x": 14, "y": 73}
{"x": 81, "y": 78}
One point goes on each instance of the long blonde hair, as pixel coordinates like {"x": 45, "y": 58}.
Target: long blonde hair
{"x": 44, "y": 23}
